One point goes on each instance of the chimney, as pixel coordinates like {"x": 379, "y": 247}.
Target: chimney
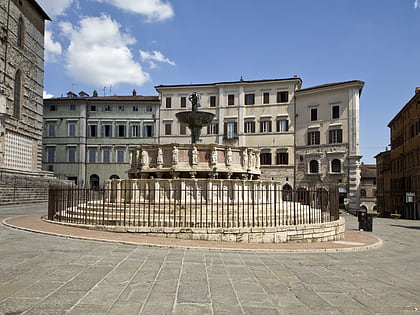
{"x": 134, "y": 92}
{"x": 417, "y": 90}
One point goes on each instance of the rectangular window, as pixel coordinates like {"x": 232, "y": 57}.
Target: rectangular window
{"x": 231, "y": 99}
{"x": 230, "y": 130}
{"x": 135, "y": 108}
{"x": 213, "y": 129}
{"x": 71, "y": 155}
{"x": 168, "y": 102}
{"x": 149, "y": 131}
{"x": 92, "y": 155}
{"x": 335, "y": 136}
{"x": 282, "y": 125}
{"x": 212, "y": 101}
{"x": 51, "y": 129}
{"x": 182, "y": 129}
{"x": 92, "y": 130}
{"x": 107, "y": 108}
{"x": 250, "y": 99}
{"x": 282, "y": 97}
{"x": 107, "y": 131}
{"x": 314, "y": 114}
{"x": 72, "y": 108}
{"x": 266, "y": 98}
{"x": 120, "y": 156}
{"x": 53, "y": 108}
{"x": 134, "y": 131}
{"x": 149, "y": 109}
{"x": 265, "y": 126}
{"x": 92, "y": 108}
{"x": 183, "y": 102}
{"x": 120, "y": 131}
{"x": 282, "y": 158}
{"x": 313, "y": 137}
{"x": 50, "y": 155}
{"x": 120, "y": 108}
{"x": 265, "y": 158}
{"x": 106, "y": 156}
{"x": 335, "y": 111}
{"x": 249, "y": 126}
{"x": 72, "y": 129}
{"x": 168, "y": 129}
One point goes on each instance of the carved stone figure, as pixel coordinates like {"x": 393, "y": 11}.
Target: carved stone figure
{"x": 144, "y": 158}
{"x": 159, "y": 159}
{"x": 194, "y": 155}
{"x": 213, "y": 159}
{"x": 229, "y": 158}
{"x": 174, "y": 155}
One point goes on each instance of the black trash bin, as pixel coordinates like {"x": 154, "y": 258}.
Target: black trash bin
{"x": 365, "y": 220}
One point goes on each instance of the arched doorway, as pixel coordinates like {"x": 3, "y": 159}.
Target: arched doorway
{"x": 287, "y": 193}
{"x": 94, "y": 181}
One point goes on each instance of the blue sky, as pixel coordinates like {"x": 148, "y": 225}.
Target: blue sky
{"x": 115, "y": 46}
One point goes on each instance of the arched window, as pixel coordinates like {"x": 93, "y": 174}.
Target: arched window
{"x": 313, "y": 166}
{"x": 94, "y": 181}
{"x": 336, "y": 166}
{"x": 17, "y": 99}
{"x": 21, "y": 33}
{"x": 287, "y": 193}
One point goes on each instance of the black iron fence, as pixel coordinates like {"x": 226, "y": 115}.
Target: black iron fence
{"x": 193, "y": 203}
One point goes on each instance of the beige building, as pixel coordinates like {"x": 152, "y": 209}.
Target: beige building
{"x": 368, "y": 187}
{"x": 21, "y": 86}
{"x": 327, "y": 138}
{"x": 87, "y": 139}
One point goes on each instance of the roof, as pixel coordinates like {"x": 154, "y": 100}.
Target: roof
{"x": 368, "y": 170}
{"x": 230, "y": 82}
{"x": 333, "y": 85}
{"x": 406, "y": 106}
{"x": 38, "y": 7}
{"x": 105, "y": 98}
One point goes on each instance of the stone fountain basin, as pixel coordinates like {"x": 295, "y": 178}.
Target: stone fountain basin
{"x": 193, "y": 118}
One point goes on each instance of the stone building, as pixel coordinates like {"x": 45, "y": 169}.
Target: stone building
{"x": 21, "y": 87}
{"x": 306, "y": 137}
{"x": 404, "y": 162}
{"x": 383, "y": 183}
{"x": 87, "y": 139}
{"x": 327, "y": 138}
{"x": 368, "y": 187}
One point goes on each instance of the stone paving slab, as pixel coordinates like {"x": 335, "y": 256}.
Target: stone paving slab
{"x": 36, "y": 223}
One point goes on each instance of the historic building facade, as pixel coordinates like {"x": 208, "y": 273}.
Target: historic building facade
{"x": 87, "y": 138}
{"x": 368, "y": 184}
{"x": 21, "y": 85}
{"x": 404, "y": 162}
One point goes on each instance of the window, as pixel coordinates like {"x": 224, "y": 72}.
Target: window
{"x": 120, "y": 156}
{"x": 282, "y": 97}
{"x": 336, "y": 166}
{"x": 135, "y": 108}
{"x": 51, "y": 129}
{"x": 183, "y": 102}
{"x": 17, "y": 94}
{"x": 282, "y": 125}
{"x": 50, "y": 155}
{"x": 231, "y": 99}
{"x": 250, "y": 99}
{"x": 72, "y": 129}
{"x": 106, "y": 156}
{"x": 92, "y": 155}
{"x": 21, "y": 33}
{"x": 249, "y": 126}
{"x": 313, "y": 167}
{"x": 212, "y": 101}
{"x": 53, "y": 108}
{"x": 107, "y": 108}
{"x": 72, "y": 108}
{"x": 362, "y": 192}
{"x": 120, "y": 108}
{"x": 149, "y": 130}
{"x": 282, "y": 158}
{"x": 265, "y": 126}
{"x": 265, "y": 158}
{"x": 335, "y": 111}
{"x": 120, "y": 131}
{"x": 313, "y": 137}
{"x": 107, "y": 130}
{"x": 71, "y": 155}
{"x": 335, "y": 136}
{"x": 182, "y": 129}
{"x": 168, "y": 129}
{"x": 213, "y": 128}
{"x": 168, "y": 102}
{"x": 134, "y": 131}
{"x": 230, "y": 130}
{"x": 314, "y": 114}
{"x": 266, "y": 97}
{"x": 92, "y": 130}
{"x": 149, "y": 109}
{"x": 92, "y": 108}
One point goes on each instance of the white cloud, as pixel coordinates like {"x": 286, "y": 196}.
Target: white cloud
{"x": 52, "y": 48}
{"x": 155, "y": 56}
{"x": 99, "y": 53}
{"x": 416, "y": 4}
{"x": 47, "y": 95}
{"x": 55, "y": 7}
{"x": 154, "y": 10}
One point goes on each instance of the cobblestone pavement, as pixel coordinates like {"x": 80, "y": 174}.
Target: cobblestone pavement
{"x": 41, "y": 274}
